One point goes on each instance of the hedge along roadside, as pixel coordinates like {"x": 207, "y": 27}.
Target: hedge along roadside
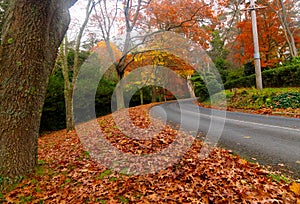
{"x": 287, "y": 76}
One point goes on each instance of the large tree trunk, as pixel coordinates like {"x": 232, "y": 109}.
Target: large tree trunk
{"x": 32, "y": 33}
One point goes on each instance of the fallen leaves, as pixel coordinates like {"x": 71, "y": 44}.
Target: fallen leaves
{"x": 295, "y": 187}
{"x": 68, "y": 174}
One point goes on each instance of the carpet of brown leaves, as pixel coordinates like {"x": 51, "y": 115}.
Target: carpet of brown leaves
{"x": 67, "y": 174}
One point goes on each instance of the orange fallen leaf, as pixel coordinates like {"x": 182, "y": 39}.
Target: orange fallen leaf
{"x": 295, "y": 187}
{"x": 243, "y": 161}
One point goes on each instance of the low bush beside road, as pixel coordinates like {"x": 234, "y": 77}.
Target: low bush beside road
{"x": 277, "y": 101}
{"x": 284, "y": 76}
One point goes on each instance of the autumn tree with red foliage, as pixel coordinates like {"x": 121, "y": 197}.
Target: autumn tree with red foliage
{"x": 194, "y": 19}
{"x": 273, "y": 42}
{"x": 158, "y": 58}
{"x": 127, "y": 21}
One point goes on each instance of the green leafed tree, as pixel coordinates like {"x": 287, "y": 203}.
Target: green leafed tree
{"x": 32, "y": 32}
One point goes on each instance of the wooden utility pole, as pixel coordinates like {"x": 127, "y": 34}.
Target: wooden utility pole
{"x": 257, "y": 65}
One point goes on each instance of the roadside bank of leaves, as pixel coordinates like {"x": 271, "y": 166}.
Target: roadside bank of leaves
{"x": 67, "y": 173}
{"x": 269, "y": 101}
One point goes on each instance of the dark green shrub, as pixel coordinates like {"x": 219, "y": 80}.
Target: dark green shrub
{"x": 286, "y": 100}
{"x": 222, "y": 66}
{"x": 206, "y": 85}
{"x": 287, "y": 76}
{"x": 200, "y": 87}
{"x": 292, "y": 61}
{"x": 147, "y": 97}
{"x": 249, "y": 69}
{"x": 212, "y": 84}
{"x": 103, "y": 97}
{"x": 53, "y": 115}
{"x": 234, "y": 74}
{"x": 243, "y": 82}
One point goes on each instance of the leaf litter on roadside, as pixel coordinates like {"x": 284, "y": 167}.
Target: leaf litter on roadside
{"x": 67, "y": 173}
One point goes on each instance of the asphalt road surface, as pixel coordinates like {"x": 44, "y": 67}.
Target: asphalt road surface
{"x": 268, "y": 140}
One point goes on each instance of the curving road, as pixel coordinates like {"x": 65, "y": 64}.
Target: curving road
{"x": 268, "y": 140}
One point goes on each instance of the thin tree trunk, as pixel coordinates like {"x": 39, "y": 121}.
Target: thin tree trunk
{"x": 88, "y": 11}
{"x": 290, "y": 36}
{"x": 129, "y": 27}
{"x": 69, "y": 109}
{"x": 32, "y": 33}
{"x": 119, "y": 94}
{"x": 282, "y": 16}
{"x": 154, "y": 94}
{"x": 120, "y": 98}
{"x": 120, "y": 71}
{"x": 190, "y": 87}
{"x": 160, "y": 95}
{"x": 142, "y": 96}
{"x": 68, "y": 86}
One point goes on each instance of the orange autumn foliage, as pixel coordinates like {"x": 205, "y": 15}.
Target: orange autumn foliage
{"x": 272, "y": 41}
{"x": 158, "y": 58}
{"x": 195, "y": 19}
{"x": 115, "y": 49}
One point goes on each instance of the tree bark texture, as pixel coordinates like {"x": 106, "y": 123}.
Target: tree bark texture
{"x": 32, "y": 33}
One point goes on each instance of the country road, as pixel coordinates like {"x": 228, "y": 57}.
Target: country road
{"x": 268, "y": 140}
